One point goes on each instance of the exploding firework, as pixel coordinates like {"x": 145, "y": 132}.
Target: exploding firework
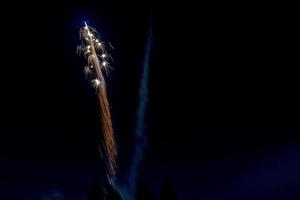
{"x": 97, "y": 62}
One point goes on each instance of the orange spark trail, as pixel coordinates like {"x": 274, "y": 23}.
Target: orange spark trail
{"x": 110, "y": 143}
{"x": 91, "y": 47}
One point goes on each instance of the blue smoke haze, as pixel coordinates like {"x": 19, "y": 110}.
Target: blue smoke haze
{"x": 128, "y": 189}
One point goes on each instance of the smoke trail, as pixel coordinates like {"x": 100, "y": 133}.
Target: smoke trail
{"x": 139, "y": 132}
{"x": 53, "y": 195}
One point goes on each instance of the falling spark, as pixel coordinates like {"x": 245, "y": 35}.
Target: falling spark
{"x": 94, "y": 69}
{"x": 87, "y": 71}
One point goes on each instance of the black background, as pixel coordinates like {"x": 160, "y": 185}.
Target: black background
{"x": 223, "y": 93}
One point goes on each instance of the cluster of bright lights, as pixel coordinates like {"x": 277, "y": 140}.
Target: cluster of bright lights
{"x": 93, "y": 47}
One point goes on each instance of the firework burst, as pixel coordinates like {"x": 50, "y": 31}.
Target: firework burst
{"x": 97, "y": 58}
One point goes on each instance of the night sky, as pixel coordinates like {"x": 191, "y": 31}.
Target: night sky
{"x": 223, "y": 113}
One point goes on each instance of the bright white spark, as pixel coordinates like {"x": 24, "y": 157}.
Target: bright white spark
{"x": 95, "y": 83}
{"x": 103, "y": 55}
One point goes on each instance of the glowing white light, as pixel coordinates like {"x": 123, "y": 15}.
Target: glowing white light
{"x": 88, "y": 46}
{"x": 104, "y": 64}
{"x": 86, "y": 26}
{"x": 86, "y": 38}
{"x": 103, "y": 55}
{"x": 92, "y": 66}
{"x": 97, "y": 40}
{"x": 95, "y": 83}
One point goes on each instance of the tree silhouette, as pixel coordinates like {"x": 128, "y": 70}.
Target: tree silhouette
{"x": 96, "y": 193}
{"x": 168, "y": 190}
{"x": 112, "y": 194}
{"x": 144, "y": 193}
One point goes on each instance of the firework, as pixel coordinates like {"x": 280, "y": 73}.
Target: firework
{"x": 97, "y": 62}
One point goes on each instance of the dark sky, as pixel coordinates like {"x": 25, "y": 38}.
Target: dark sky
{"x": 222, "y": 120}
